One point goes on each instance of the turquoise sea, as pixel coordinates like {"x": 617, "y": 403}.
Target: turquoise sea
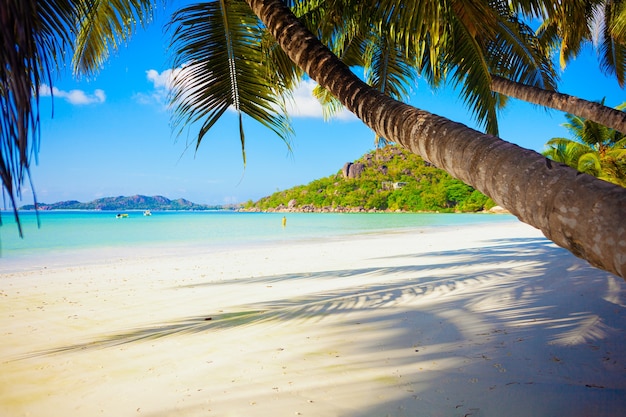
{"x": 71, "y": 236}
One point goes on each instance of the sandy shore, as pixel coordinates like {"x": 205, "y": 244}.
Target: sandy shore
{"x": 472, "y": 321}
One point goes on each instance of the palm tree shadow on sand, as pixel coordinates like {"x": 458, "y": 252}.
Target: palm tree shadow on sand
{"x": 480, "y": 278}
{"x": 466, "y": 332}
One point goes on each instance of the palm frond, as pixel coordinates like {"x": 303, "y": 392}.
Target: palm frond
{"x": 332, "y": 21}
{"x": 517, "y": 54}
{"x": 34, "y": 35}
{"x": 471, "y": 72}
{"x": 594, "y": 149}
{"x": 618, "y": 25}
{"x": 558, "y": 33}
{"x": 574, "y": 124}
{"x": 594, "y": 134}
{"x": 415, "y": 23}
{"x": 620, "y": 144}
{"x": 611, "y": 49}
{"x": 330, "y": 104}
{"x": 566, "y": 151}
{"x": 279, "y": 69}
{"x": 389, "y": 70}
{"x": 103, "y": 25}
{"x": 589, "y": 163}
{"x": 218, "y": 46}
{"x": 531, "y": 8}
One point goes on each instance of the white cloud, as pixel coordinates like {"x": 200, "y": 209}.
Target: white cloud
{"x": 304, "y": 104}
{"x": 162, "y": 84}
{"x": 162, "y": 81}
{"x": 75, "y": 97}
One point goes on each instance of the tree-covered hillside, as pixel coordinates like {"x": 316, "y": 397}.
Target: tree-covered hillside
{"x": 389, "y": 179}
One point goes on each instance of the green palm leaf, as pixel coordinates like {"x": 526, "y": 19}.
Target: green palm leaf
{"x": 330, "y": 105}
{"x": 569, "y": 25}
{"x": 35, "y": 36}
{"x": 611, "y": 49}
{"x": 621, "y": 143}
{"x": 103, "y": 25}
{"x": 217, "y": 45}
{"x": 595, "y": 149}
{"x": 280, "y": 70}
{"x": 618, "y": 25}
{"x": 388, "y": 70}
{"x": 589, "y": 163}
{"x": 470, "y": 71}
{"x": 517, "y": 55}
{"x": 566, "y": 151}
{"x": 465, "y": 42}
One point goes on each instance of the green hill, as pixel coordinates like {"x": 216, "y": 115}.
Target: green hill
{"x": 387, "y": 179}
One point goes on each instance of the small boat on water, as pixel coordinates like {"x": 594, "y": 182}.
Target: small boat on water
{"x": 121, "y": 215}
{"x": 147, "y": 213}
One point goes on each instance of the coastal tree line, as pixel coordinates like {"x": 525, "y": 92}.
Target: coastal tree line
{"x": 249, "y": 54}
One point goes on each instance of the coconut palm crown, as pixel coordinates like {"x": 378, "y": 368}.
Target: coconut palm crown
{"x": 595, "y": 149}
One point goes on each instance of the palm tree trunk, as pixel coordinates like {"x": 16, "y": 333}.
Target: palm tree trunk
{"x": 578, "y": 212}
{"x": 596, "y": 112}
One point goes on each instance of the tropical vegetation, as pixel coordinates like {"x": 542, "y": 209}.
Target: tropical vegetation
{"x": 231, "y": 53}
{"x": 388, "y": 179}
{"x": 595, "y": 149}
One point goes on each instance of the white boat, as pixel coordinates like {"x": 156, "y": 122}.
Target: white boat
{"x": 147, "y": 213}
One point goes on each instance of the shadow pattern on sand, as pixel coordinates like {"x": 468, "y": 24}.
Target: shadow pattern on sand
{"x": 499, "y": 305}
{"x": 430, "y": 275}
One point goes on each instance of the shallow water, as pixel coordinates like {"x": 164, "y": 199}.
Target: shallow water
{"x": 68, "y": 234}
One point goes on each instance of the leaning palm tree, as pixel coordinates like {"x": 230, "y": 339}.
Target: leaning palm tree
{"x": 566, "y": 27}
{"x": 595, "y": 149}
{"x": 545, "y": 195}
{"x": 559, "y": 101}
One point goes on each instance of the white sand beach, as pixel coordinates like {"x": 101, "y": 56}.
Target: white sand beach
{"x": 461, "y": 321}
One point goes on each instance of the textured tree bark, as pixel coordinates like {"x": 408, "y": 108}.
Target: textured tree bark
{"x": 582, "y": 108}
{"x": 576, "y": 211}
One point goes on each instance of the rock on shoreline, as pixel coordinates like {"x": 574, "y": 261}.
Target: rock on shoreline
{"x": 292, "y": 207}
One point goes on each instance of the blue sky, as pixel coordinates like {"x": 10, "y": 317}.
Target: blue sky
{"x": 110, "y": 134}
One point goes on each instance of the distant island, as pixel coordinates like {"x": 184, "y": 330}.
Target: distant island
{"x": 121, "y": 203}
